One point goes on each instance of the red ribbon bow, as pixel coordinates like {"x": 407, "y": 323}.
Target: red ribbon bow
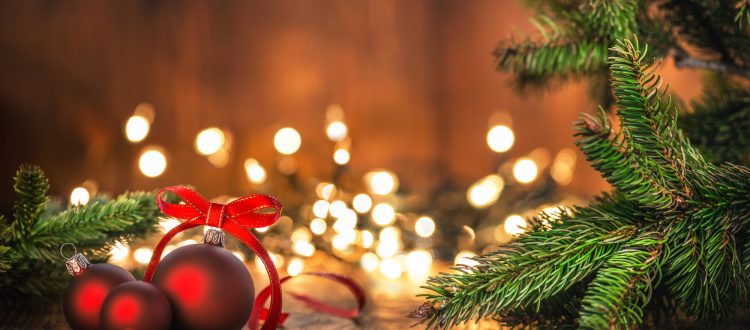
{"x": 236, "y": 218}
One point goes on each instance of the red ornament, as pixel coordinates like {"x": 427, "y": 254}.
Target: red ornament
{"x": 85, "y": 293}
{"x": 136, "y": 305}
{"x": 208, "y": 287}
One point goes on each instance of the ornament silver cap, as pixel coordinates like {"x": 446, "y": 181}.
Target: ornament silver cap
{"x": 214, "y": 236}
{"x": 75, "y": 264}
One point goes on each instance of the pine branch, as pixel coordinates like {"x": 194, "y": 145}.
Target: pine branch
{"x": 615, "y": 299}
{"x": 31, "y": 186}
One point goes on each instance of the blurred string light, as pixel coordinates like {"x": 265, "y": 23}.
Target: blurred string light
{"x": 287, "y": 141}
{"x": 362, "y": 203}
{"x": 79, "y": 196}
{"x": 563, "y": 166}
{"x": 500, "y": 138}
{"x": 118, "y": 252}
{"x": 424, "y": 227}
{"x": 256, "y": 174}
{"x": 318, "y": 226}
{"x": 381, "y": 182}
{"x": 418, "y": 263}
{"x": 152, "y": 162}
{"x": 320, "y": 208}
{"x": 390, "y": 268}
{"x": 369, "y": 261}
{"x": 367, "y": 239}
{"x": 209, "y": 141}
{"x": 486, "y": 191}
{"x": 325, "y": 190}
{"x": 138, "y": 125}
{"x": 336, "y": 130}
{"x": 515, "y": 224}
{"x": 464, "y": 258}
{"x": 239, "y": 255}
{"x": 295, "y": 267}
{"x": 142, "y": 255}
{"x": 341, "y": 156}
{"x": 525, "y": 170}
{"x": 383, "y": 214}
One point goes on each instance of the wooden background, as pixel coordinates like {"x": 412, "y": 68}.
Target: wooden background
{"x": 416, "y": 79}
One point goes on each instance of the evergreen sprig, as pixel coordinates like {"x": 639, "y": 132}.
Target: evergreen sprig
{"x": 31, "y": 267}
{"x": 676, "y": 224}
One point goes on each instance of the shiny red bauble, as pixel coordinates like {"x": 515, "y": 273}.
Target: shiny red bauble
{"x": 136, "y": 305}
{"x": 208, "y": 287}
{"x": 86, "y": 292}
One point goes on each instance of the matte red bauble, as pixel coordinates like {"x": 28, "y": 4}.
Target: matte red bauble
{"x": 136, "y": 305}
{"x": 86, "y": 291}
{"x": 208, "y": 287}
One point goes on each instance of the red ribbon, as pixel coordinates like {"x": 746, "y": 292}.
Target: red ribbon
{"x": 236, "y": 218}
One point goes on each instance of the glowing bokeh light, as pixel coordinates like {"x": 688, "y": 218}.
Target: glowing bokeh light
{"x": 336, "y": 130}
{"x": 424, "y": 227}
{"x": 152, "y": 163}
{"x": 79, "y": 196}
{"x": 287, "y": 141}
{"x": 255, "y": 172}
{"x": 500, "y": 138}
{"x": 515, "y": 224}
{"x": 525, "y": 170}
{"x": 383, "y": 214}
{"x": 381, "y": 182}
{"x": 486, "y": 191}
{"x": 362, "y": 203}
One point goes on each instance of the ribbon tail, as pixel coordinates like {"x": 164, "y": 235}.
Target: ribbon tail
{"x": 159, "y": 249}
{"x": 274, "y": 313}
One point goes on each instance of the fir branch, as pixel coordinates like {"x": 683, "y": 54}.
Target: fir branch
{"x": 615, "y": 299}
{"x": 31, "y": 186}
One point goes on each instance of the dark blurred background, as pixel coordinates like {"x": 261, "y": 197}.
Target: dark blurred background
{"x": 416, "y": 81}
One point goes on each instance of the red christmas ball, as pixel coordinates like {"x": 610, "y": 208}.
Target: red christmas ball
{"x": 208, "y": 287}
{"x": 86, "y": 292}
{"x": 136, "y": 305}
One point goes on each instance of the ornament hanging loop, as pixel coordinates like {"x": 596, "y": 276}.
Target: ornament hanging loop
{"x": 75, "y": 264}
{"x": 75, "y": 250}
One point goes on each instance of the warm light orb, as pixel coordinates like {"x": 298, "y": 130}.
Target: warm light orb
{"x": 464, "y": 258}
{"x": 525, "y": 170}
{"x": 287, "y": 141}
{"x": 362, "y": 203}
{"x": 391, "y": 268}
{"x": 318, "y": 226}
{"x": 137, "y": 128}
{"x": 336, "y": 131}
{"x": 424, "y": 227}
{"x": 515, "y": 224}
{"x": 320, "y": 208}
{"x": 486, "y": 191}
{"x": 381, "y": 182}
{"x": 152, "y": 163}
{"x": 295, "y": 267}
{"x": 369, "y": 261}
{"x": 118, "y": 252}
{"x": 418, "y": 262}
{"x": 383, "y": 214}
{"x": 304, "y": 248}
{"x": 209, "y": 141}
{"x": 341, "y": 156}
{"x": 500, "y": 138}
{"x": 337, "y": 208}
{"x": 255, "y": 172}
{"x": 367, "y": 239}
{"x": 142, "y": 255}
{"x": 79, "y": 196}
